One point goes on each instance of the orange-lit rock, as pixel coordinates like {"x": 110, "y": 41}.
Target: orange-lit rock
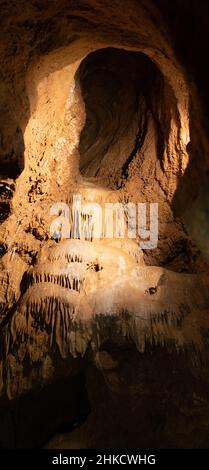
{"x": 97, "y": 101}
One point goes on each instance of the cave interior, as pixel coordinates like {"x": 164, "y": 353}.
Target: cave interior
{"x": 104, "y": 339}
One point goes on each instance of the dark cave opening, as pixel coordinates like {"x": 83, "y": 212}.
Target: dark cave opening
{"x": 118, "y": 88}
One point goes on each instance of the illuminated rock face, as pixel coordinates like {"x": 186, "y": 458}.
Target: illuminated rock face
{"x": 106, "y": 113}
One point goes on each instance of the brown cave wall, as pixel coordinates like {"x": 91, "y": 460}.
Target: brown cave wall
{"x": 153, "y": 152}
{"x": 139, "y": 151}
{"x": 51, "y": 118}
{"x": 46, "y": 49}
{"x": 33, "y": 32}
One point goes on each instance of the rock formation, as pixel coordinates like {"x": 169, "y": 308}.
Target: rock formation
{"x": 98, "y": 103}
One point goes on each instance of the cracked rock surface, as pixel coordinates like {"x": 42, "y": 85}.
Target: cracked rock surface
{"x": 97, "y": 102}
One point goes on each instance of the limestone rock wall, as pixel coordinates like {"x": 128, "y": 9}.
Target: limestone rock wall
{"x": 96, "y": 100}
